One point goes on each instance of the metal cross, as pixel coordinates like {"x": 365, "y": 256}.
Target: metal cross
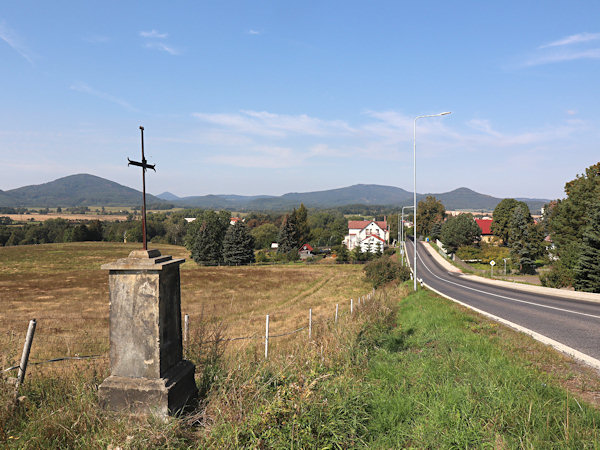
{"x": 144, "y": 165}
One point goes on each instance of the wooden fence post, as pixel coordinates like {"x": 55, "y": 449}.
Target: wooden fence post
{"x": 267, "y": 338}
{"x": 25, "y": 355}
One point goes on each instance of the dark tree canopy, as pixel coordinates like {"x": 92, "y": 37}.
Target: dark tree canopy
{"x": 568, "y": 218}
{"x": 458, "y": 231}
{"x": 429, "y": 212}
{"x": 205, "y": 237}
{"x": 288, "y": 235}
{"x": 587, "y": 269}
{"x": 502, "y": 217}
{"x": 238, "y": 245}
{"x": 523, "y": 240}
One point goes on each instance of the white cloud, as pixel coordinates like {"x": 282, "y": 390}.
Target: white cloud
{"x": 563, "y": 56}
{"x": 574, "y": 39}
{"x": 254, "y": 32}
{"x": 84, "y": 88}
{"x": 154, "y": 34}
{"x": 163, "y": 48}
{"x": 571, "y": 112}
{"x": 14, "y": 42}
{"x": 263, "y": 123}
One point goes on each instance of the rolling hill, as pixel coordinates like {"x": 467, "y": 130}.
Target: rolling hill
{"x": 75, "y": 190}
{"x": 86, "y": 190}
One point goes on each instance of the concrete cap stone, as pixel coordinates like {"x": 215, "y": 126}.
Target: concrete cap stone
{"x": 143, "y": 260}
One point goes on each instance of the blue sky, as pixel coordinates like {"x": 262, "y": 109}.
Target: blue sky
{"x": 269, "y": 97}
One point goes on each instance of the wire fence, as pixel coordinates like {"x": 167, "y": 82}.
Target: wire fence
{"x": 186, "y": 339}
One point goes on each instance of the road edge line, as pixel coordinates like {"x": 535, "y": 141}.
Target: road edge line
{"x": 575, "y": 354}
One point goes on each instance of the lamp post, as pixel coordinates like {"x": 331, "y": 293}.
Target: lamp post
{"x": 415, "y": 190}
{"x": 402, "y": 240}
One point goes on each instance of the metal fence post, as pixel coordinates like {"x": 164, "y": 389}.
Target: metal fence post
{"x": 336, "y": 312}
{"x": 310, "y": 324}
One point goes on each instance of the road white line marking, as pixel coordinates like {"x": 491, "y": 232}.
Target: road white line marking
{"x": 503, "y": 296}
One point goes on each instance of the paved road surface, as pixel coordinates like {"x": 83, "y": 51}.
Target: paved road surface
{"x": 574, "y": 323}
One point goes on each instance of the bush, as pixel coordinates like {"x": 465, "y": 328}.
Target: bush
{"x": 385, "y": 269}
{"x": 558, "y": 276}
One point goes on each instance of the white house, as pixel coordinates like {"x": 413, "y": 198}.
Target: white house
{"x": 370, "y": 235}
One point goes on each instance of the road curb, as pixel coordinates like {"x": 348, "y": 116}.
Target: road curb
{"x": 585, "y": 296}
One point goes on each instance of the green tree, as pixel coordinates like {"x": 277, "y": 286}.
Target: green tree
{"x": 568, "y": 218}
{"x": 587, "y": 269}
{"x": 429, "y": 212}
{"x": 502, "y": 218}
{"x": 238, "y": 245}
{"x": 288, "y": 235}
{"x": 523, "y": 245}
{"x": 302, "y": 227}
{"x": 342, "y": 254}
{"x": 205, "y": 237}
{"x": 458, "y": 231}
{"x": 264, "y": 235}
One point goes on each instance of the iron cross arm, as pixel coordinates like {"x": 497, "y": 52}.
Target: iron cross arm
{"x": 142, "y": 164}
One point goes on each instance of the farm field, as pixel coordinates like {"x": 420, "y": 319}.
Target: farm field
{"x": 36, "y": 217}
{"x": 64, "y": 288}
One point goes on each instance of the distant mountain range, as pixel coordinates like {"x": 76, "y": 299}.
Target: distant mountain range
{"x": 88, "y": 190}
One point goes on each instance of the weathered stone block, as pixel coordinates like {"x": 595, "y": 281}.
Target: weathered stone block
{"x": 147, "y": 370}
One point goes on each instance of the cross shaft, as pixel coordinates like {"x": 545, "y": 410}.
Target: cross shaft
{"x": 144, "y": 165}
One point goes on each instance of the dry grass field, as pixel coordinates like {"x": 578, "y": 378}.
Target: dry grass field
{"x": 63, "y": 287}
{"x": 36, "y": 217}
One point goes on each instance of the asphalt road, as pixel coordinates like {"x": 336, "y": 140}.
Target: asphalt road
{"x": 574, "y": 323}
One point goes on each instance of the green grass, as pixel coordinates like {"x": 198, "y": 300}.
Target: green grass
{"x": 442, "y": 379}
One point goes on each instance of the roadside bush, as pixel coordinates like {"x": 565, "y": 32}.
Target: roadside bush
{"x": 385, "y": 269}
{"x": 558, "y": 276}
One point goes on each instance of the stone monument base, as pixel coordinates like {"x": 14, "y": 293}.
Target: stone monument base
{"x": 160, "y": 396}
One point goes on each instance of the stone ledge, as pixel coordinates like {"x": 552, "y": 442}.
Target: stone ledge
{"x": 160, "y": 396}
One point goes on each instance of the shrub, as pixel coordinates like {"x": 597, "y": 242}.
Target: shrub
{"x": 385, "y": 269}
{"x": 558, "y": 276}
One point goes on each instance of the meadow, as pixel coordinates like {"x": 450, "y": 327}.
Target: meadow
{"x": 405, "y": 370}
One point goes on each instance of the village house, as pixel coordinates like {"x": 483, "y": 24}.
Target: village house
{"x": 370, "y": 235}
{"x": 486, "y": 229}
{"x": 305, "y": 251}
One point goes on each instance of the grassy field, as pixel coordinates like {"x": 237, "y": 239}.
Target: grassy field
{"x": 404, "y": 371}
{"x": 63, "y": 287}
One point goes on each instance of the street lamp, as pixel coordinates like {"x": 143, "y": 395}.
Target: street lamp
{"x": 415, "y": 189}
{"x": 402, "y": 240}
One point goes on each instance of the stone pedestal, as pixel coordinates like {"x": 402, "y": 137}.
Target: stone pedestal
{"x": 148, "y": 373}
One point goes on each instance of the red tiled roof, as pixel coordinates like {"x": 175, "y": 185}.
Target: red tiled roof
{"x": 360, "y": 224}
{"x": 306, "y": 247}
{"x": 374, "y": 236}
{"x": 485, "y": 225}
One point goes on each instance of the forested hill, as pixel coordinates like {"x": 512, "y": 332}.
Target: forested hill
{"x": 87, "y": 190}
{"x": 75, "y": 190}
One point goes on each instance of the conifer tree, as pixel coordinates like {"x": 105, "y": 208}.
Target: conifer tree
{"x": 587, "y": 270}
{"x": 522, "y": 246}
{"x": 288, "y": 233}
{"x": 205, "y": 237}
{"x": 238, "y": 245}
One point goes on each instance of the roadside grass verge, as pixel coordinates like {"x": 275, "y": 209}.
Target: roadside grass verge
{"x": 309, "y": 396}
{"x": 447, "y": 378}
